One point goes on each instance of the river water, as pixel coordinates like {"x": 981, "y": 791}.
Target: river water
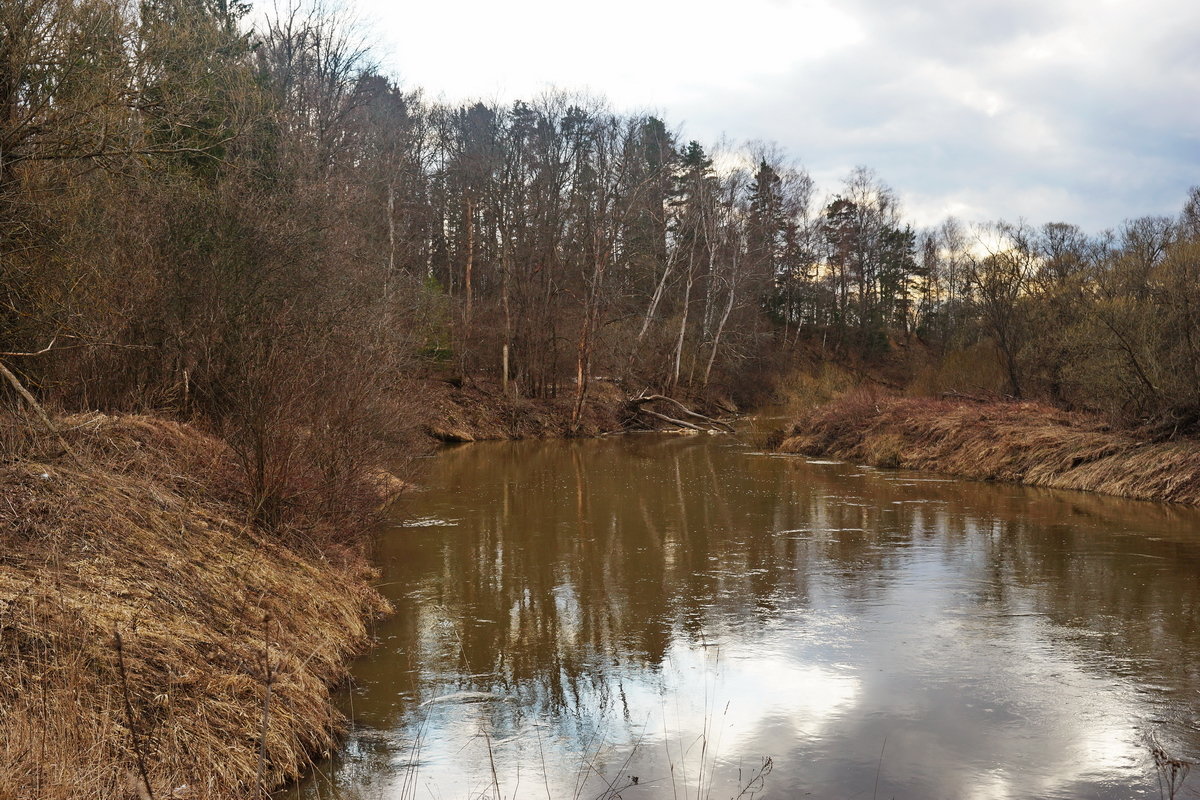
{"x": 655, "y": 616}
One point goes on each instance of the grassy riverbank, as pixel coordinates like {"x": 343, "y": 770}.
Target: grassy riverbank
{"x": 1017, "y": 442}
{"x": 149, "y": 633}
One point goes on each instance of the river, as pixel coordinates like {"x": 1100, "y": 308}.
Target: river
{"x": 654, "y": 616}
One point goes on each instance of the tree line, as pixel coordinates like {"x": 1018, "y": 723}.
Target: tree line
{"x": 253, "y": 226}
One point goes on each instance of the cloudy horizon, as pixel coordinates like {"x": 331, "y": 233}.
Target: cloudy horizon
{"x": 1048, "y": 111}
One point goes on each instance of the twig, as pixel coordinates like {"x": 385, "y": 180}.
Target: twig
{"x": 132, "y": 722}
{"x": 1171, "y": 771}
{"x": 879, "y": 767}
{"x": 613, "y": 790}
{"x": 492, "y": 761}
{"x": 266, "y": 713}
{"x": 759, "y": 780}
{"x": 542, "y": 753}
{"x": 45, "y": 349}
{"x": 81, "y": 346}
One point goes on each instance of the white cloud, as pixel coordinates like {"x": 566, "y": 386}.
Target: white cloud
{"x": 1081, "y": 110}
{"x": 636, "y": 52}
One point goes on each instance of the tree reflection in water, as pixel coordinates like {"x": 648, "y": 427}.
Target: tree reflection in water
{"x": 711, "y": 604}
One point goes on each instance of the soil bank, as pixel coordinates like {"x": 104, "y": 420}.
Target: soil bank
{"x": 995, "y": 441}
{"x": 456, "y": 412}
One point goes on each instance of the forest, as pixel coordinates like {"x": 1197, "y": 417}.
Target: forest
{"x": 244, "y": 223}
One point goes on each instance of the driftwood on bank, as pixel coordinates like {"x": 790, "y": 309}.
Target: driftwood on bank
{"x": 701, "y": 423}
{"x": 678, "y": 422}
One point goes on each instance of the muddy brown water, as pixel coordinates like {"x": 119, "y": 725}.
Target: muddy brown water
{"x": 575, "y": 615}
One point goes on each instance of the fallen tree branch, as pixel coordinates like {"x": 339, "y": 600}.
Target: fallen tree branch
{"x": 45, "y": 349}
{"x": 672, "y": 420}
{"x": 33, "y": 403}
{"x": 687, "y": 411}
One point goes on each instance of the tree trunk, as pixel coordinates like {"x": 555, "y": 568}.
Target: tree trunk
{"x": 649, "y": 318}
{"x": 391, "y": 265}
{"x": 468, "y": 290}
{"x": 687, "y": 299}
{"x": 712, "y": 356}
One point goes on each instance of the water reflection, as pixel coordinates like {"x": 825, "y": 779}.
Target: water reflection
{"x": 572, "y": 614}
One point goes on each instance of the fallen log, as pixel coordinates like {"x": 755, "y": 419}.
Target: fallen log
{"x": 708, "y": 423}
{"x": 639, "y": 400}
{"x": 672, "y": 420}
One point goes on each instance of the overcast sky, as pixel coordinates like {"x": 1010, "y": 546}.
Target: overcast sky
{"x": 1085, "y": 111}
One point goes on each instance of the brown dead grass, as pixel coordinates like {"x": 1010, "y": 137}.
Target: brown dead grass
{"x": 1017, "y": 442}
{"x": 137, "y": 536}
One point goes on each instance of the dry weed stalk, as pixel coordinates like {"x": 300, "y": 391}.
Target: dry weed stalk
{"x": 1172, "y": 772}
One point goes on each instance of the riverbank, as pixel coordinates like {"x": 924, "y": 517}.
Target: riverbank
{"x": 155, "y": 644}
{"x": 992, "y": 441}
{"x": 149, "y": 634}
{"x": 481, "y": 411}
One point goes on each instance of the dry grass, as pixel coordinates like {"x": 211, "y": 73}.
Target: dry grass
{"x": 1017, "y": 442}
{"x": 225, "y": 632}
{"x": 815, "y": 385}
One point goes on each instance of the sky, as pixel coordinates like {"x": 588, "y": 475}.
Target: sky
{"x": 1083, "y": 111}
